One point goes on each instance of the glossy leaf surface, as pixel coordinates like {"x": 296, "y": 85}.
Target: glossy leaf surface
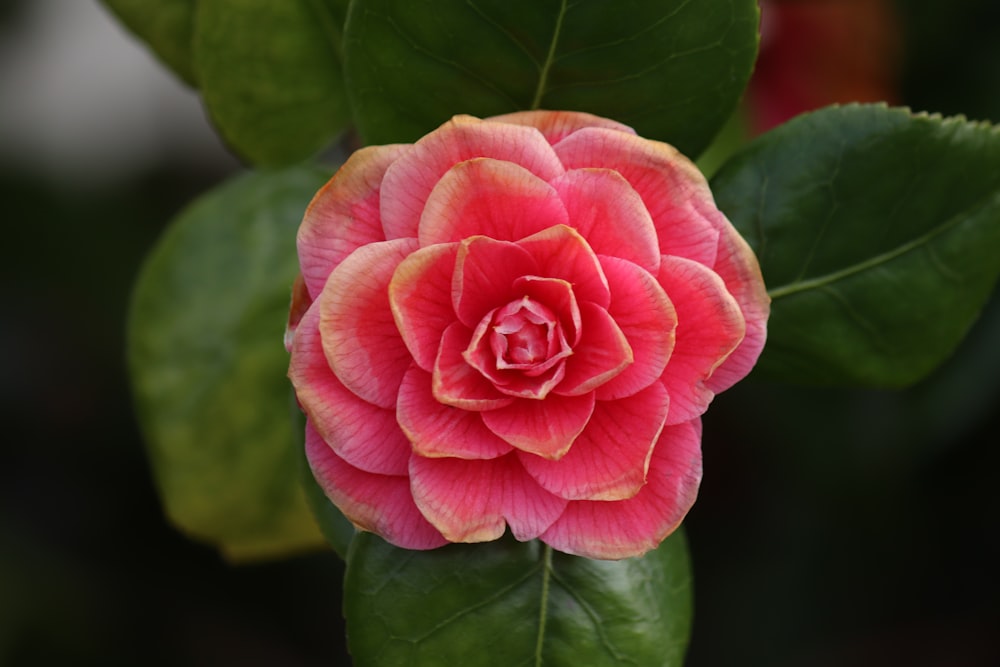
{"x": 166, "y": 25}
{"x": 271, "y": 76}
{"x": 209, "y": 368}
{"x": 672, "y": 69}
{"x": 878, "y": 233}
{"x": 509, "y": 603}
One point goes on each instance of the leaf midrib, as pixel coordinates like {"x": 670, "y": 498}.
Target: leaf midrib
{"x": 543, "y": 75}
{"x": 543, "y": 611}
{"x": 885, "y": 257}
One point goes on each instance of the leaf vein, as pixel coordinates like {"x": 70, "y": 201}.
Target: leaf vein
{"x": 496, "y": 595}
{"x": 458, "y": 67}
{"x": 499, "y": 27}
{"x": 630, "y": 38}
{"x": 599, "y": 630}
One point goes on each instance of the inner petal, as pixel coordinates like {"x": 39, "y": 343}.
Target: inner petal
{"x": 521, "y": 348}
{"x": 527, "y": 337}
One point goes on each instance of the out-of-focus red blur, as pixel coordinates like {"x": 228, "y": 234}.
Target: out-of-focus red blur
{"x": 819, "y": 52}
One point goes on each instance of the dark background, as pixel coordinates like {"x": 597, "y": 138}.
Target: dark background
{"x": 833, "y": 528}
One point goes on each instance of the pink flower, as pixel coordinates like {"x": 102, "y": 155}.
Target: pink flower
{"x": 518, "y": 322}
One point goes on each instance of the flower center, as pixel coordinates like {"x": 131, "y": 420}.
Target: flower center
{"x": 526, "y": 336}
{"x": 521, "y": 348}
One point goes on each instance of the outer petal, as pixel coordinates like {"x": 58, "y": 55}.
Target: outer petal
{"x": 470, "y": 501}
{"x": 485, "y": 271}
{"x": 364, "y": 435}
{"x": 360, "y": 338}
{"x": 456, "y": 383}
{"x": 561, "y": 252}
{"x": 610, "y": 214}
{"x": 546, "y": 428}
{"x": 298, "y": 307}
{"x": 381, "y": 504}
{"x": 626, "y": 528}
{"x": 709, "y": 327}
{"x": 437, "y": 430}
{"x": 409, "y": 182}
{"x": 557, "y": 125}
{"x": 670, "y": 185}
{"x": 420, "y": 298}
{"x": 344, "y": 214}
{"x": 602, "y": 353}
{"x": 645, "y": 315}
{"x": 738, "y": 268}
{"x": 608, "y": 461}
{"x": 501, "y": 200}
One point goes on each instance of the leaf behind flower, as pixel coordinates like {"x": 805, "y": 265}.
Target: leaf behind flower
{"x": 508, "y": 603}
{"x": 672, "y": 69}
{"x": 878, "y": 234}
{"x": 209, "y": 369}
{"x": 271, "y": 75}
{"x": 166, "y": 25}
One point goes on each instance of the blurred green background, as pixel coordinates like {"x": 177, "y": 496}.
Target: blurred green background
{"x": 833, "y": 528}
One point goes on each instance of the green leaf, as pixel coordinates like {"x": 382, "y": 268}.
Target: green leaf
{"x": 878, "y": 233}
{"x": 271, "y": 76}
{"x": 673, "y": 69}
{"x": 166, "y": 25}
{"x": 209, "y": 369}
{"x": 509, "y": 603}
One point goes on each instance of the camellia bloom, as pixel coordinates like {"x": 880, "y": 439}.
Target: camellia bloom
{"x": 518, "y": 322}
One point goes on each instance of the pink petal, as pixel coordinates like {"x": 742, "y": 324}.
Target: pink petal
{"x": 420, "y": 297}
{"x": 344, "y": 214}
{"x": 364, "y": 435}
{"x": 437, "y": 430}
{"x": 409, "y": 182}
{"x": 739, "y": 270}
{"x": 501, "y": 200}
{"x": 643, "y": 312}
{"x": 360, "y": 337}
{"x": 602, "y": 353}
{"x": 709, "y": 327}
{"x": 671, "y": 187}
{"x": 604, "y": 208}
{"x": 455, "y": 382}
{"x": 631, "y": 527}
{"x": 608, "y": 461}
{"x": 546, "y": 428}
{"x": 485, "y": 271}
{"x": 557, "y": 125}
{"x": 381, "y": 504}
{"x": 561, "y": 252}
{"x": 470, "y": 501}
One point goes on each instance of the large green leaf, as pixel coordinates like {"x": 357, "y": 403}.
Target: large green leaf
{"x": 508, "y": 603}
{"x": 878, "y": 234}
{"x": 166, "y": 25}
{"x": 673, "y": 69}
{"x": 209, "y": 369}
{"x": 271, "y": 76}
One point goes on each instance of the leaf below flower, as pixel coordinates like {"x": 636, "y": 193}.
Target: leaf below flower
{"x": 515, "y": 603}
